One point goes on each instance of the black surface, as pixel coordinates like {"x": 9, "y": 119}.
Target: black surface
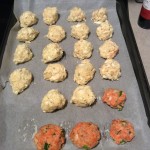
{"x": 5, "y": 11}
{"x": 7, "y": 20}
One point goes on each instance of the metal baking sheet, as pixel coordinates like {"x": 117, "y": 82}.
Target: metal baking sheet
{"x": 21, "y": 115}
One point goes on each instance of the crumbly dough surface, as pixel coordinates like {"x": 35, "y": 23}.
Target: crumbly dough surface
{"x": 80, "y": 31}
{"x": 84, "y": 72}
{"x": 83, "y": 49}
{"x": 76, "y": 15}
{"x": 28, "y": 19}
{"x": 52, "y": 101}
{"x": 20, "y": 79}
{"x": 50, "y": 15}
{"x": 108, "y": 49}
{"x": 99, "y": 15}
{"x": 49, "y": 137}
{"x": 56, "y": 33}
{"x": 52, "y": 52}
{"x": 27, "y": 34}
{"x": 104, "y": 31}
{"x": 55, "y": 72}
{"x": 83, "y": 96}
{"x": 85, "y": 135}
{"x": 111, "y": 70}
{"x": 22, "y": 54}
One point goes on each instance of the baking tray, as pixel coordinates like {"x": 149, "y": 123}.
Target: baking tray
{"x": 137, "y": 66}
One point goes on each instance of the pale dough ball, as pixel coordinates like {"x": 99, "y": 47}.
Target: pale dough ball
{"x": 76, "y": 14}
{"x": 56, "y": 33}
{"x": 52, "y": 101}
{"x": 20, "y": 79}
{"x": 104, "y": 31}
{"x": 55, "y": 72}
{"x": 52, "y": 52}
{"x": 83, "y": 96}
{"x": 84, "y": 72}
{"x": 111, "y": 70}
{"x": 22, "y": 54}
{"x": 109, "y": 49}
{"x": 82, "y": 49}
{"x": 27, "y": 34}
{"x": 80, "y": 31}
{"x": 28, "y": 19}
{"x": 99, "y": 15}
{"x": 50, "y": 15}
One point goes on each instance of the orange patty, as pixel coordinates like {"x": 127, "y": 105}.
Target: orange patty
{"x": 85, "y": 134}
{"x": 121, "y": 131}
{"x": 114, "y": 98}
{"x": 49, "y": 137}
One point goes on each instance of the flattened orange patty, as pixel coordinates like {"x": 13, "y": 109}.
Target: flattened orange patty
{"x": 121, "y": 131}
{"x": 49, "y": 137}
{"x": 85, "y": 134}
{"x": 114, "y": 98}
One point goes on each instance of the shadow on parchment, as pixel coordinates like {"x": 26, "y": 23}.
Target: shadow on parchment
{"x": 2, "y": 122}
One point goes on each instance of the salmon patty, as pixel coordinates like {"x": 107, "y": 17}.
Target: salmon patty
{"x": 49, "y": 137}
{"x": 114, "y": 98}
{"x": 121, "y": 131}
{"x": 85, "y": 134}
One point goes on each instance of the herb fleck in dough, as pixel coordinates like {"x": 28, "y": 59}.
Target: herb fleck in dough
{"x": 121, "y": 131}
{"x": 114, "y": 98}
{"x": 49, "y": 136}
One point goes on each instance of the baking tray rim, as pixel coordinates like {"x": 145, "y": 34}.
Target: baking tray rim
{"x": 122, "y": 11}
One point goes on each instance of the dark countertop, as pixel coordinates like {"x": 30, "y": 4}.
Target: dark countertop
{"x": 5, "y": 9}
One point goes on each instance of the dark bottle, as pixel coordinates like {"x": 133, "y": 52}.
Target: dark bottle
{"x": 144, "y": 17}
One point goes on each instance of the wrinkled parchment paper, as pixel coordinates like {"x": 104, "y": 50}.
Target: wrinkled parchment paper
{"x": 21, "y": 115}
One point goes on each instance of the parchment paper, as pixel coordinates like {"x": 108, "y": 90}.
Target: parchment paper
{"x": 21, "y": 115}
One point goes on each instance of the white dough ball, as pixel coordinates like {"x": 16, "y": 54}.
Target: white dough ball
{"x": 52, "y": 52}
{"x": 55, "y": 73}
{"x": 20, "y": 79}
{"x": 22, "y": 54}
{"x": 83, "y": 96}
{"x": 52, "y": 101}
{"x": 28, "y": 19}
